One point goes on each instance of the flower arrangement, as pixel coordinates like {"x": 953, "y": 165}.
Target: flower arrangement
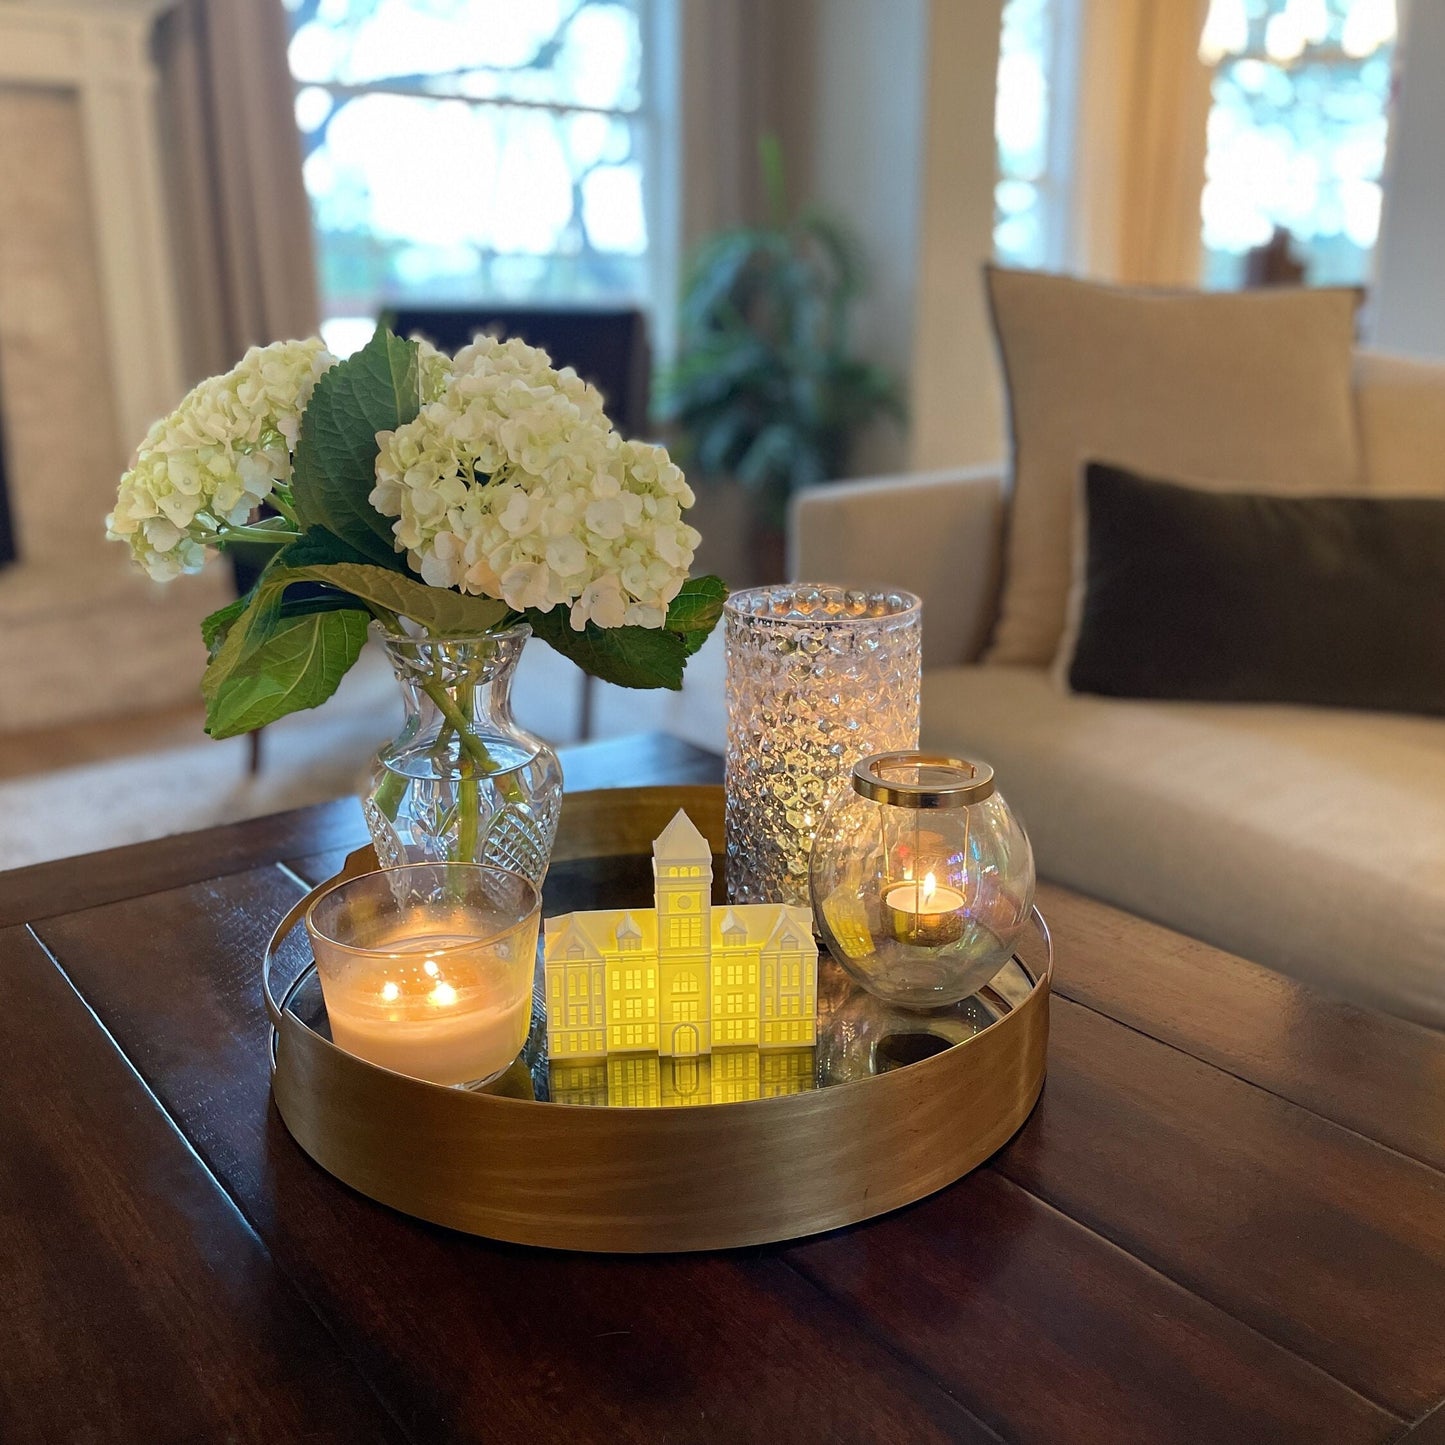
{"x": 434, "y": 496}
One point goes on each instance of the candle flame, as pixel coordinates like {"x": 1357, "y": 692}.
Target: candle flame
{"x": 443, "y": 995}
{"x": 930, "y": 887}
{"x": 390, "y": 993}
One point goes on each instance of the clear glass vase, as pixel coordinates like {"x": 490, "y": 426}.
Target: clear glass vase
{"x": 462, "y": 782}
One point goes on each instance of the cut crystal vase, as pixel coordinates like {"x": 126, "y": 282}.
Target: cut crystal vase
{"x": 462, "y": 782}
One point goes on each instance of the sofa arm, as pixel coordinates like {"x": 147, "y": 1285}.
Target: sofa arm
{"x": 939, "y": 534}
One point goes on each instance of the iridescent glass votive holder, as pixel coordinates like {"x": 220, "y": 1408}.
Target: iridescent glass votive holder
{"x": 922, "y": 878}
{"x": 427, "y": 969}
{"x": 818, "y": 677}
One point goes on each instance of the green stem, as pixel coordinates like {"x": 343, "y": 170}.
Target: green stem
{"x": 472, "y": 745}
{"x": 282, "y": 504}
{"x": 273, "y": 536}
{"x": 468, "y": 797}
{"x": 389, "y": 794}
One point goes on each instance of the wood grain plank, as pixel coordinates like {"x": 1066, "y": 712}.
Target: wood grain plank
{"x": 1429, "y": 1430}
{"x": 464, "y": 1338}
{"x": 1325, "y": 1242}
{"x": 135, "y": 1302}
{"x": 1048, "y": 1333}
{"x": 70, "y": 884}
{"x": 1379, "y": 1075}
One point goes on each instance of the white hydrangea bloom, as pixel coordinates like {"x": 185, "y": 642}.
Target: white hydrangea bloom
{"x": 216, "y": 457}
{"x": 512, "y": 483}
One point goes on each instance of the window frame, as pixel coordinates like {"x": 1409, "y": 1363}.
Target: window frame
{"x": 656, "y": 119}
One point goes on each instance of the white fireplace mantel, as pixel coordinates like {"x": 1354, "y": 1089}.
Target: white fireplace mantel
{"x": 101, "y": 51}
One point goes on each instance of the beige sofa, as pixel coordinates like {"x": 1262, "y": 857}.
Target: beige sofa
{"x": 1307, "y": 839}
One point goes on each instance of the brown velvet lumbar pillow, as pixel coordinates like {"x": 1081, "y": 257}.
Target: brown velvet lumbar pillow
{"x": 1186, "y": 593}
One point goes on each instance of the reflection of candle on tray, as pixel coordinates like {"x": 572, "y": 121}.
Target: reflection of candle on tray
{"x": 924, "y": 912}
{"x": 440, "y": 1007}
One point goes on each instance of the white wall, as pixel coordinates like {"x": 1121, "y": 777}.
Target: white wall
{"x": 888, "y": 120}
{"x": 1409, "y": 309}
{"x": 851, "y": 123}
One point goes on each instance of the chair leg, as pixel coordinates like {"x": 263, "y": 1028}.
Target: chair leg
{"x": 584, "y": 712}
{"x": 253, "y": 743}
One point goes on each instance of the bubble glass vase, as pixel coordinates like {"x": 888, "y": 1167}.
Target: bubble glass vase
{"x": 463, "y": 782}
{"x": 818, "y": 677}
{"x": 923, "y": 878}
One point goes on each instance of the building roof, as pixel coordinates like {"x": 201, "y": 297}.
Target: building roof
{"x": 763, "y": 925}
{"x": 680, "y": 842}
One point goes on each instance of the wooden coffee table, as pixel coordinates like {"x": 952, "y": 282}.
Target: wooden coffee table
{"x": 1225, "y": 1220}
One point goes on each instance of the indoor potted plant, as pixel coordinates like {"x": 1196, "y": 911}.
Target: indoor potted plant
{"x": 766, "y": 388}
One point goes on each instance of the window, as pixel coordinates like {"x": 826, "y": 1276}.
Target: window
{"x": 469, "y": 150}
{"x": 1033, "y": 125}
{"x": 1297, "y": 133}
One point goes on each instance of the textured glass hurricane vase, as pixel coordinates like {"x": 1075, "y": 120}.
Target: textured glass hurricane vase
{"x": 817, "y": 678}
{"x": 462, "y": 782}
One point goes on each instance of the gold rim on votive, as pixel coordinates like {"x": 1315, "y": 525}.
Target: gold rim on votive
{"x": 974, "y": 782}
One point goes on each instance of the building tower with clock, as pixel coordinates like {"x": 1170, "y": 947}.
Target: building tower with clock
{"x": 682, "y": 979}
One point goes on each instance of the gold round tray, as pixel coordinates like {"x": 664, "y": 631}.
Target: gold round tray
{"x": 889, "y": 1107}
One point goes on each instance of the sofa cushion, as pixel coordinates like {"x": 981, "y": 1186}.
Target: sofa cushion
{"x": 1213, "y": 596}
{"x": 1309, "y": 840}
{"x": 1246, "y": 388}
{"x": 1401, "y": 406}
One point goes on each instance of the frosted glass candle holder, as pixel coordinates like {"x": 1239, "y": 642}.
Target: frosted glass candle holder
{"x": 818, "y": 677}
{"x": 427, "y": 969}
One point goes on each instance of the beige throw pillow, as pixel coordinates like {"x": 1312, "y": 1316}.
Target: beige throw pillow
{"x": 1402, "y": 423}
{"x": 1246, "y": 388}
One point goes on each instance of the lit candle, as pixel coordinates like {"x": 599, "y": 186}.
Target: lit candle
{"x": 427, "y": 969}
{"x": 434, "y": 1006}
{"x": 924, "y": 912}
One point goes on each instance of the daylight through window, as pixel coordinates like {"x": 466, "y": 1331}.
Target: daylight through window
{"x": 473, "y": 150}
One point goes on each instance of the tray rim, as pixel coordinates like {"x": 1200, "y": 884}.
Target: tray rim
{"x": 312, "y": 1079}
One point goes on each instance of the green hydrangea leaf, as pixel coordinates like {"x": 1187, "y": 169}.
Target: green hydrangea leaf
{"x": 696, "y": 609}
{"x": 215, "y": 627}
{"x": 298, "y": 666}
{"x": 376, "y": 389}
{"x": 628, "y": 656}
{"x": 320, "y": 547}
{"x": 233, "y": 645}
{"x": 440, "y": 610}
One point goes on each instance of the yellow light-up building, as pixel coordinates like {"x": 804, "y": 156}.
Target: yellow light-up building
{"x": 683, "y": 978}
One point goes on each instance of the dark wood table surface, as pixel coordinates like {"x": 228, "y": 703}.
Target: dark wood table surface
{"x": 1225, "y": 1220}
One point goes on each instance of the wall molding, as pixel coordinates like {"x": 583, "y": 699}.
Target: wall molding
{"x": 101, "y": 51}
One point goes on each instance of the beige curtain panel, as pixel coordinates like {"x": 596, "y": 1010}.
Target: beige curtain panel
{"x": 241, "y": 219}
{"x": 1144, "y": 99}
